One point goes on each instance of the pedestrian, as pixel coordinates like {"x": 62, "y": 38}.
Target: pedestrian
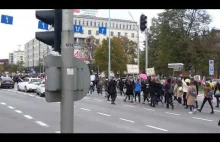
{"x": 207, "y": 97}
{"x": 137, "y": 90}
{"x": 112, "y": 86}
{"x": 169, "y": 92}
{"x": 91, "y": 87}
{"x": 158, "y": 92}
{"x": 185, "y": 88}
{"x": 191, "y": 96}
{"x": 217, "y": 93}
{"x": 179, "y": 92}
{"x": 152, "y": 84}
{"x": 121, "y": 86}
{"x": 146, "y": 90}
{"x": 129, "y": 91}
{"x": 197, "y": 92}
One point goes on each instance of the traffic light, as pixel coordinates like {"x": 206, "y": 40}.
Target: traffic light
{"x": 143, "y": 22}
{"x": 54, "y": 18}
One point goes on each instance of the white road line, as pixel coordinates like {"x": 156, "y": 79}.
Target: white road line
{"x": 58, "y": 102}
{"x": 202, "y": 119}
{"x": 24, "y": 93}
{"x": 148, "y": 109}
{"x": 42, "y": 123}
{"x": 74, "y": 106}
{"x": 103, "y": 114}
{"x": 172, "y": 113}
{"x": 98, "y": 100}
{"x": 18, "y": 111}
{"x": 127, "y": 120}
{"x": 85, "y": 109}
{"x": 217, "y": 110}
{"x": 129, "y": 105}
{"x": 11, "y": 107}
{"x": 28, "y": 116}
{"x": 2, "y": 103}
{"x": 57, "y": 131}
{"x": 156, "y": 128}
{"x": 86, "y": 98}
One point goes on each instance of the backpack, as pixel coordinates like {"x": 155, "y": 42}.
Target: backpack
{"x": 193, "y": 92}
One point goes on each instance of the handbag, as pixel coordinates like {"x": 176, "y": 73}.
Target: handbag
{"x": 217, "y": 93}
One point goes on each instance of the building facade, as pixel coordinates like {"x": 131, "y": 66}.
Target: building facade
{"x": 4, "y": 61}
{"x": 34, "y": 53}
{"x": 11, "y": 58}
{"x": 17, "y": 56}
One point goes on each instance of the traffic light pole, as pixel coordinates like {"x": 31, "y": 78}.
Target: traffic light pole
{"x": 146, "y": 50}
{"x": 66, "y": 106}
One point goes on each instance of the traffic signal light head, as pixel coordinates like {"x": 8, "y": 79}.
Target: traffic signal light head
{"x": 52, "y": 38}
{"x": 143, "y": 22}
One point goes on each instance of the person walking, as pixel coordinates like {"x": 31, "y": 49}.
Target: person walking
{"x": 179, "y": 92}
{"x": 185, "y": 88}
{"x": 146, "y": 90}
{"x": 137, "y": 90}
{"x": 152, "y": 84}
{"x": 207, "y": 97}
{"x": 168, "y": 94}
{"x": 112, "y": 86}
{"x": 121, "y": 86}
{"x": 130, "y": 90}
{"x": 217, "y": 93}
{"x": 191, "y": 96}
{"x": 197, "y": 91}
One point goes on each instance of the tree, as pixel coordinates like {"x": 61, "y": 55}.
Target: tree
{"x": 130, "y": 48}
{"x": 88, "y": 48}
{"x": 118, "y": 58}
{"x": 2, "y": 69}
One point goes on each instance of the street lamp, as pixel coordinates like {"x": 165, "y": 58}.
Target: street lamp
{"x": 109, "y": 46}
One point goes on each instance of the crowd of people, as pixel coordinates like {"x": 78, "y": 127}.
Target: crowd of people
{"x": 152, "y": 90}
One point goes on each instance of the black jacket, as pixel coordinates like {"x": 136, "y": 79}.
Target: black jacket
{"x": 112, "y": 87}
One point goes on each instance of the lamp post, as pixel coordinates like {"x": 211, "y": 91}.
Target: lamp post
{"x": 109, "y": 46}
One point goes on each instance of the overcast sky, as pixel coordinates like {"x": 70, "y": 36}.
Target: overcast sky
{"x": 25, "y": 25}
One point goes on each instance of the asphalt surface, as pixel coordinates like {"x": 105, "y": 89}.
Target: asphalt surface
{"x": 22, "y": 112}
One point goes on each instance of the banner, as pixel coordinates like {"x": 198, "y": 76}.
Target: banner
{"x": 150, "y": 71}
{"x": 132, "y": 69}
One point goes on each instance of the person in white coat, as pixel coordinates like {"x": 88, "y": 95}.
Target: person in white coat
{"x": 185, "y": 88}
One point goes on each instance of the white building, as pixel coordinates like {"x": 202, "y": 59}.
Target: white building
{"x": 34, "y": 53}
{"x": 17, "y": 56}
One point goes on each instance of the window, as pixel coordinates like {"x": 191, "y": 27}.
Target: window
{"x": 132, "y": 35}
{"x": 119, "y": 26}
{"x": 134, "y": 27}
{"x": 102, "y": 24}
{"x": 112, "y": 33}
{"x": 119, "y": 33}
{"x": 113, "y": 25}
{"x": 82, "y": 32}
{"x": 79, "y": 23}
{"x": 83, "y": 23}
{"x": 116, "y": 26}
{"x": 123, "y": 26}
{"x": 91, "y": 23}
{"x": 87, "y": 23}
{"x": 98, "y": 24}
{"x": 126, "y": 34}
{"x": 97, "y": 32}
{"x": 105, "y": 24}
{"x": 127, "y": 26}
{"x": 89, "y": 32}
{"x": 75, "y": 22}
{"x": 94, "y": 23}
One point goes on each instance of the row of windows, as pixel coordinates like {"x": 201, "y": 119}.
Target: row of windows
{"x": 104, "y": 24}
{"x": 112, "y": 33}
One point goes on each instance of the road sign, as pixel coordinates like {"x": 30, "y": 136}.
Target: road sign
{"x": 77, "y": 29}
{"x": 211, "y": 67}
{"x": 42, "y": 25}
{"x": 102, "y": 30}
{"x": 211, "y": 63}
{"x": 7, "y": 19}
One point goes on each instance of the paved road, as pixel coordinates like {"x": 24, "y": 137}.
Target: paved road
{"x": 94, "y": 114}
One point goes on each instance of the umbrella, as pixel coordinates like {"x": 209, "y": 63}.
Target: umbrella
{"x": 187, "y": 80}
{"x": 143, "y": 76}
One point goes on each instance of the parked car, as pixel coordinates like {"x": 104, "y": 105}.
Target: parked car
{"x": 40, "y": 89}
{"x": 6, "y": 82}
{"x": 28, "y": 84}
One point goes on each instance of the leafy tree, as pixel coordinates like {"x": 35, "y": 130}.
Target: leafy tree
{"x": 89, "y": 47}
{"x": 118, "y": 58}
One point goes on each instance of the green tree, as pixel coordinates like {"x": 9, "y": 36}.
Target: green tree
{"x": 118, "y": 58}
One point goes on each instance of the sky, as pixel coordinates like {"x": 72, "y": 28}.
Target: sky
{"x": 13, "y": 37}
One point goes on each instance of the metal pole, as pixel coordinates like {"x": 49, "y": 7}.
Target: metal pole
{"x": 66, "y": 106}
{"x": 109, "y": 46}
{"x": 39, "y": 57}
{"x": 138, "y": 48}
{"x": 146, "y": 50}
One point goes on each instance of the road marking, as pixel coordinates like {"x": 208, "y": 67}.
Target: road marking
{"x": 129, "y": 105}
{"x": 98, "y": 100}
{"x": 57, "y": 131}
{"x": 18, "y": 111}
{"x": 31, "y": 95}
{"x": 172, "y": 113}
{"x": 42, "y": 123}
{"x": 58, "y": 102}
{"x": 157, "y": 128}
{"x": 74, "y": 106}
{"x": 86, "y": 98}
{"x": 24, "y": 93}
{"x": 217, "y": 110}
{"x": 28, "y": 116}
{"x": 11, "y": 107}
{"x": 202, "y": 119}
{"x": 3, "y": 103}
{"x": 103, "y": 114}
{"x": 127, "y": 120}
{"x": 148, "y": 109}
{"x": 85, "y": 109}
{"x": 38, "y": 97}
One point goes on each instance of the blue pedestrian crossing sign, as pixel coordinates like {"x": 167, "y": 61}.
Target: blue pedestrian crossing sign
{"x": 7, "y": 19}
{"x": 77, "y": 29}
{"x": 102, "y": 30}
{"x": 42, "y": 25}
{"x": 211, "y": 70}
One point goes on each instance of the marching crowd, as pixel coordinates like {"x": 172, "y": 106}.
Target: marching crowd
{"x": 154, "y": 91}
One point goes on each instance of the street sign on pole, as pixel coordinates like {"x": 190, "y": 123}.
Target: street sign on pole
{"x": 102, "y": 30}
{"x": 77, "y": 29}
{"x": 211, "y": 67}
{"x": 7, "y": 19}
{"x": 42, "y": 25}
